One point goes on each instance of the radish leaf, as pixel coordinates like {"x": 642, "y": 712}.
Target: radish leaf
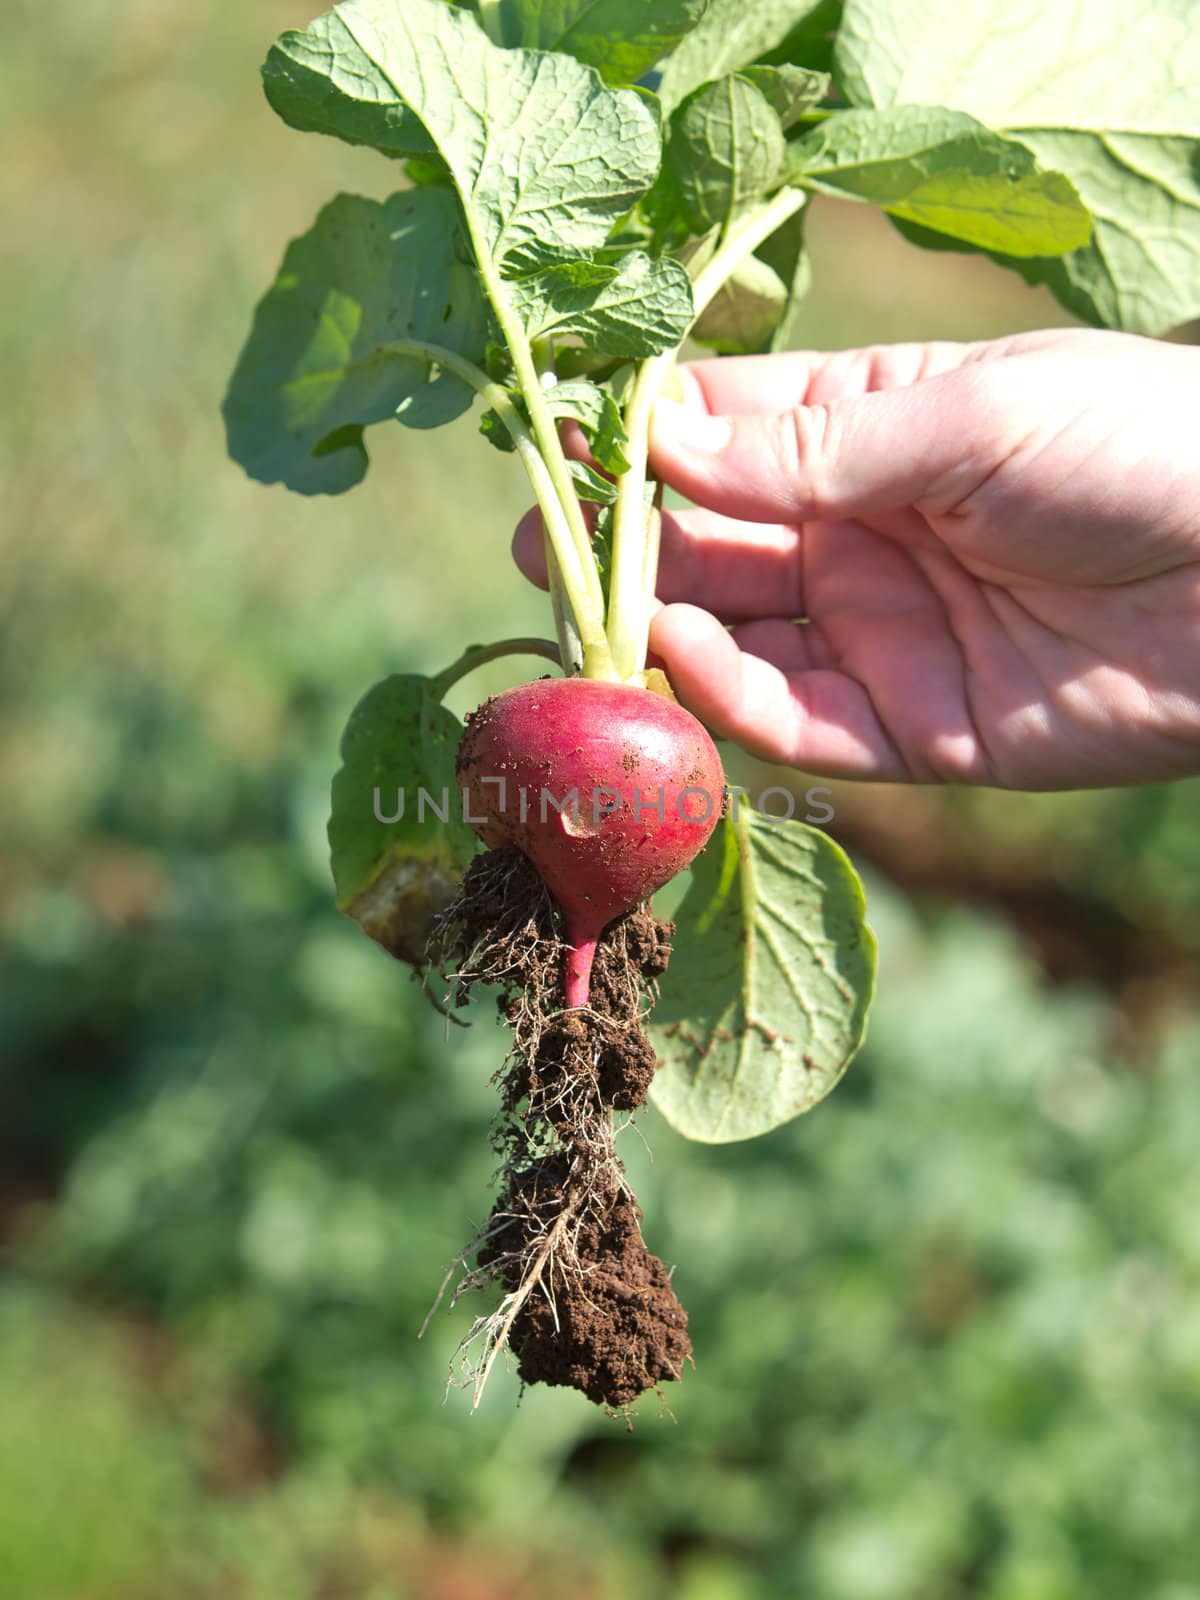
{"x": 732, "y": 34}
{"x": 493, "y": 430}
{"x": 742, "y": 316}
{"x": 726, "y": 149}
{"x": 791, "y": 91}
{"x": 765, "y": 1000}
{"x": 394, "y": 877}
{"x": 543, "y": 156}
{"x": 316, "y": 369}
{"x": 598, "y": 415}
{"x": 592, "y": 485}
{"x": 1108, "y": 94}
{"x": 622, "y": 39}
{"x": 638, "y": 308}
{"x": 947, "y": 172}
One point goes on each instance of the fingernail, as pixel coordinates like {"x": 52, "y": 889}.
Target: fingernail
{"x": 693, "y": 430}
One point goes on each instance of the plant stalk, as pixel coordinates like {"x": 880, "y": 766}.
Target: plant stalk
{"x": 597, "y": 660}
{"x": 631, "y": 590}
{"x": 566, "y": 629}
{"x": 478, "y": 655}
{"x": 579, "y": 580}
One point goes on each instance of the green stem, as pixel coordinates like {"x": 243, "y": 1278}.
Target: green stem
{"x": 546, "y": 434}
{"x": 570, "y": 646}
{"x": 589, "y": 616}
{"x": 579, "y": 580}
{"x": 478, "y": 655}
{"x": 650, "y": 556}
{"x": 566, "y": 629}
{"x": 743, "y": 241}
{"x": 631, "y": 589}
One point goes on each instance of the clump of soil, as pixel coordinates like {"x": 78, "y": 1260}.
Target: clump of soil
{"x": 615, "y": 1334}
{"x": 585, "y": 1304}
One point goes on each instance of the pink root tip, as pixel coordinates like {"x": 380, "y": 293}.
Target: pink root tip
{"x": 577, "y": 976}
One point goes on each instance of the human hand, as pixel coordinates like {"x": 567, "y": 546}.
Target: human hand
{"x": 996, "y": 548}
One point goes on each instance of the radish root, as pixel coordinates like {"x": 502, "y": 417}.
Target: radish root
{"x": 584, "y": 1302}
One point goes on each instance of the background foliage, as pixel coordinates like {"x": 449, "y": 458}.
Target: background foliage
{"x": 947, "y": 1329}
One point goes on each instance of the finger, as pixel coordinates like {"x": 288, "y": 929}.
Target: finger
{"x": 734, "y": 569}
{"x": 761, "y": 385}
{"x": 574, "y": 442}
{"x": 529, "y": 548}
{"x": 931, "y": 443}
{"x": 817, "y": 719}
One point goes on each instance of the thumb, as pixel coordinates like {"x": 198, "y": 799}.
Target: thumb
{"x": 929, "y": 443}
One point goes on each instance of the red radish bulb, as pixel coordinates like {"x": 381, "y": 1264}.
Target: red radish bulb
{"x": 609, "y": 789}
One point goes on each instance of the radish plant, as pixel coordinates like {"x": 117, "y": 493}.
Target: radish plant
{"x": 581, "y": 187}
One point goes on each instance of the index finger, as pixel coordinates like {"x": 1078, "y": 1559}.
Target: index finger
{"x": 749, "y": 386}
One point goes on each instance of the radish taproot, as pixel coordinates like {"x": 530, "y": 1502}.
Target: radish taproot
{"x": 611, "y": 790}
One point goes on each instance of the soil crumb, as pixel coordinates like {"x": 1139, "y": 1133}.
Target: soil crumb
{"x": 585, "y": 1303}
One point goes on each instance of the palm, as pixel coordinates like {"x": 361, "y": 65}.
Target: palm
{"x": 921, "y": 668}
{"x": 1017, "y": 623}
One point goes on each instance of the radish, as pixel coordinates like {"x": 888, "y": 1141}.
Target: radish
{"x": 609, "y": 789}
{"x": 560, "y": 234}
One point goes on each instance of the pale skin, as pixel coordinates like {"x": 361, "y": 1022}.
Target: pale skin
{"x": 994, "y": 548}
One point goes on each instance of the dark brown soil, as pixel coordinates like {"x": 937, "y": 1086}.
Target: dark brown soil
{"x": 616, "y": 1333}
{"x": 585, "y": 1304}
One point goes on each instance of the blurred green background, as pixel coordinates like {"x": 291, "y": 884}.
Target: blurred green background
{"x": 947, "y": 1329}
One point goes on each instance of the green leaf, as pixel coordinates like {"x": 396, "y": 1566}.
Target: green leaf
{"x": 591, "y": 485}
{"x": 622, "y": 39}
{"x": 394, "y": 877}
{"x": 725, "y": 151}
{"x": 809, "y": 43}
{"x": 731, "y": 35}
{"x": 786, "y": 253}
{"x": 544, "y": 157}
{"x": 765, "y": 1001}
{"x": 742, "y": 316}
{"x": 427, "y": 172}
{"x": 1108, "y": 94}
{"x": 791, "y": 91}
{"x": 945, "y": 171}
{"x": 495, "y": 431}
{"x": 316, "y": 369}
{"x": 1141, "y": 272}
{"x": 635, "y": 309}
{"x": 602, "y": 538}
{"x": 598, "y": 414}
